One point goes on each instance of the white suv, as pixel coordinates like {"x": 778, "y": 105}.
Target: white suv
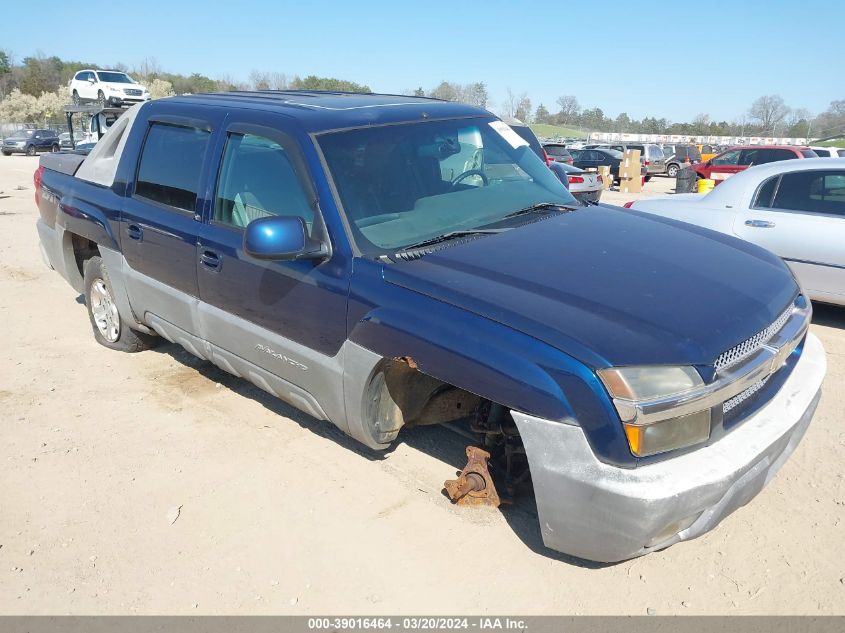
{"x": 107, "y": 87}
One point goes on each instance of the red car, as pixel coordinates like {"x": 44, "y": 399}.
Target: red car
{"x": 737, "y": 159}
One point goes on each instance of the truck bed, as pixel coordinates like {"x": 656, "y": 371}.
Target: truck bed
{"x": 63, "y": 162}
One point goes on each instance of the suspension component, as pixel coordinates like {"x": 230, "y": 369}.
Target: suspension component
{"x": 474, "y": 486}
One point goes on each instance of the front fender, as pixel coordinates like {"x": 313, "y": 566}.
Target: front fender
{"x": 479, "y": 355}
{"x": 474, "y": 354}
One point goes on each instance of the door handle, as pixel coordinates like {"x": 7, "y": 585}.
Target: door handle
{"x": 134, "y": 232}
{"x": 760, "y": 224}
{"x": 210, "y": 259}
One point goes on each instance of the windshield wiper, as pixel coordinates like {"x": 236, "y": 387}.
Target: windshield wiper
{"x": 451, "y": 235}
{"x": 541, "y": 207}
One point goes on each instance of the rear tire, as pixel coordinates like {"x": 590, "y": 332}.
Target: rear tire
{"x": 647, "y": 178}
{"x": 55, "y": 148}
{"x": 109, "y": 330}
{"x": 30, "y": 150}
{"x": 672, "y": 170}
{"x": 76, "y": 100}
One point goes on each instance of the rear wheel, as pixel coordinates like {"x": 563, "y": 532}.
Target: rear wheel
{"x": 76, "y": 100}
{"x": 109, "y": 330}
{"x": 30, "y": 150}
{"x": 672, "y": 170}
{"x": 55, "y": 148}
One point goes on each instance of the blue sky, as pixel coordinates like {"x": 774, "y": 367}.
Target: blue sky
{"x": 672, "y": 59}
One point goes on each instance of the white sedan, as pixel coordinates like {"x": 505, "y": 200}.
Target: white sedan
{"x": 794, "y": 208}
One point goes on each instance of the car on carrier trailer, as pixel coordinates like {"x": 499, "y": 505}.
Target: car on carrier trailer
{"x": 382, "y": 262}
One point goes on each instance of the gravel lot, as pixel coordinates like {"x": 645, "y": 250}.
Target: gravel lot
{"x": 154, "y": 483}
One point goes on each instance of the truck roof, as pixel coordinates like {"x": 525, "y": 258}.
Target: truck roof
{"x": 322, "y": 110}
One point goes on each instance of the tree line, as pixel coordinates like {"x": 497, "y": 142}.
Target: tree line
{"x": 36, "y": 88}
{"x": 767, "y": 115}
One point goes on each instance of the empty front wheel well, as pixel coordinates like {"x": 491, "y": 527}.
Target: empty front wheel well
{"x": 400, "y": 395}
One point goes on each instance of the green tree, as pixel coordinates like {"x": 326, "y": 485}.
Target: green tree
{"x": 542, "y": 115}
{"x": 312, "y": 82}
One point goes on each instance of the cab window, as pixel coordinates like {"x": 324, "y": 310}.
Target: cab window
{"x": 257, "y": 180}
{"x": 170, "y": 165}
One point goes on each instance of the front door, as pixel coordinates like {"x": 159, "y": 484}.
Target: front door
{"x": 800, "y": 216}
{"x": 287, "y": 318}
{"x": 725, "y": 165}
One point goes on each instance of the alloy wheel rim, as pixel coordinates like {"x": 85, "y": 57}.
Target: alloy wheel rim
{"x": 106, "y": 317}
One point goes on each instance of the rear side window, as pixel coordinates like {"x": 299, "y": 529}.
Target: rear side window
{"x": 821, "y": 153}
{"x": 170, "y": 165}
{"x": 812, "y": 191}
{"x": 257, "y": 180}
{"x": 808, "y": 153}
{"x": 763, "y": 199}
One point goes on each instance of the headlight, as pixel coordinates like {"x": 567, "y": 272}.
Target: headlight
{"x": 631, "y": 386}
{"x": 645, "y": 383}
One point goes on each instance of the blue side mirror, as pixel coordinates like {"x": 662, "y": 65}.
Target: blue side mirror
{"x": 282, "y": 237}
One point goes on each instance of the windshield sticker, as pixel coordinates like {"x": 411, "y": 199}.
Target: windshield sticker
{"x": 507, "y": 133}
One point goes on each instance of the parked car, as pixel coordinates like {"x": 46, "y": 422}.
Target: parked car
{"x": 586, "y": 187}
{"x": 829, "y": 152}
{"x": 558, "y": 153}
{"x": 794, "y": 208}
{"x": 646, "y": 376}
{"x": 706, "y": 151}
{"x": 107, "y": 87}
{"x": 678, "y": 156}
{"x": 529, "y": 137}
{"x": 738, "y": 159}
{"x": 599, "y": 157}
{"x": 78, "y": 136}
{"x": 650, "y": 154}
{"x": 31, "y": 142}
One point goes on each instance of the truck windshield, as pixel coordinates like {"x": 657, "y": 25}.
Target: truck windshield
{"x": 114, "y": 78}
{"x": 403, "y": 184}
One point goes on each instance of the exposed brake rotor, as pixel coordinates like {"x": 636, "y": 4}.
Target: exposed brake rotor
{"x": 474, "y": 486}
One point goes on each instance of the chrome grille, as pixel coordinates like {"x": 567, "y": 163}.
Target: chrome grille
{"x": 745, "y": 395}
{"x": 751, "y": 345}
{"x": 132, "y": 92}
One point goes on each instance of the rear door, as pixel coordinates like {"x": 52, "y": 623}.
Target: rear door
{"x": 161, "y": 217}
{"x": 287, "y": 318}
{"x": 800, "y": 216}
{"x": 656, "y": 158}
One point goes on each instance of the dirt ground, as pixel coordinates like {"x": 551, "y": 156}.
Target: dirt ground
{"x": 153, "y": 483}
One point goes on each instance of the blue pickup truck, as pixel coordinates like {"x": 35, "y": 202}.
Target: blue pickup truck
{"x": 383, "y": 262}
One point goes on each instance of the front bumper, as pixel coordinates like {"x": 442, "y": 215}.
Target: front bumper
{"x": 600, "y": 512}
{"x": 122, "y": 100}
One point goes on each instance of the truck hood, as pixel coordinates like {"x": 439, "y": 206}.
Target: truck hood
{"x": 611, "y": 287}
